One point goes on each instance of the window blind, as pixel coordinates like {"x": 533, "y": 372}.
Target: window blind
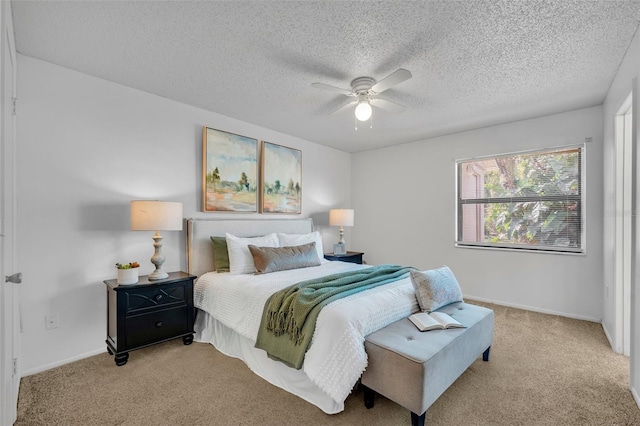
{"x": 531, "y": 200}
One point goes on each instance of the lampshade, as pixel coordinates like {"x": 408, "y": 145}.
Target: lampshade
{"x": 363, "y": 111}
{"x": 341, "y": 217}
{"x": 156, "y": 216}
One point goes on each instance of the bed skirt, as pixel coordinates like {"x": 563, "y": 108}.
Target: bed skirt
{"x": 230, "y": 343}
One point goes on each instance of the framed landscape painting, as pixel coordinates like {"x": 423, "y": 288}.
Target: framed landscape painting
{"x": 281, "y": 179}
{"x": 229, "y": 172}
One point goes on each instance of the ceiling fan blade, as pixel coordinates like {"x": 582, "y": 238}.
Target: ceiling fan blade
{"x": 343, "y": 107}
{"x": 332, "y": 88}
{"x": 387, "y": 105}
{"x": 391, "y": 80}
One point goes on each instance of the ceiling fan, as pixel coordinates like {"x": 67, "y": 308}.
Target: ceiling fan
{"x": 365, "y": 90}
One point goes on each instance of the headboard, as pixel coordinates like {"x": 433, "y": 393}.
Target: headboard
{"x": 199, "y": 231}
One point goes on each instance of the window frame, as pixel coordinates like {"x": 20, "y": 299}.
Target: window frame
{"x": 580, "y": 198}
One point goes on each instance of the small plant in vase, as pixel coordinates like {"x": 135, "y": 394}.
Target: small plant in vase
{"x": 127, "y": 265}
{"x": 127, "y": 272}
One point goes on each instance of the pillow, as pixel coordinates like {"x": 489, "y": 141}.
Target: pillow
{"x": 287, "y": 240}
{"x": 435, "y": 288}
{"x": 220, "y": 254}
{"x": 240, "y": 259}
{"x": 272, "y": 259}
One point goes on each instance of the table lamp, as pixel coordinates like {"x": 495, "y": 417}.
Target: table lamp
{"x": 156, "y": 216}
{"x": 341, "y": 218}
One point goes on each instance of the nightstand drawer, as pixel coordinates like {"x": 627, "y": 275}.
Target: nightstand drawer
{"x": 140, "y": 299}
{"x": 156, "y": 325}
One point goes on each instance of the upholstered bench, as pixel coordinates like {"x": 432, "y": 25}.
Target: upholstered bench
{"x": 413, "y": 368}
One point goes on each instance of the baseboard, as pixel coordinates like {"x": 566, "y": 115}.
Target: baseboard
{"x": 609, "y": 338}
{"x": 532, "y": 308}
{"x": 46, "y": 367}
{"x": 635, "y": 396}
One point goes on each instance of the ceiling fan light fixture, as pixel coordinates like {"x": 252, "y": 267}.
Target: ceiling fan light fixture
{"x": 363, "y": 110}
{"x": 365, "y": 90}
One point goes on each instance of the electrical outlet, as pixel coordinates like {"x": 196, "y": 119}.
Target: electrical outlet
{"x": 51, "y": 321}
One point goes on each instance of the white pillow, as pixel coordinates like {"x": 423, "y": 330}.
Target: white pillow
{"x": 240, "y": 259}
{"x": 290, "y": 240}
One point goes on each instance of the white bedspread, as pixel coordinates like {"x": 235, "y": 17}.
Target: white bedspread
{"x": 336, "y": 358}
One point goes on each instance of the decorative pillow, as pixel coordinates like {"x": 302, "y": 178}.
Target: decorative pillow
{"x": 220, "y": 254}
{"x": 288, "y": 240}
{"x": 435, "y": 288}
{"x": 272, "y": 259}
{"x": 240, "y": 259}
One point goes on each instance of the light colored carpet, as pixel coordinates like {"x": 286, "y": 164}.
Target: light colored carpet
{"x": 544, "y": 370}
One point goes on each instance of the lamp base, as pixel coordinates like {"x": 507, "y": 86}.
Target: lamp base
{"x": 341, "y": 240}
{"x": 157, "y": 259}
{"x": 158, "y": 274}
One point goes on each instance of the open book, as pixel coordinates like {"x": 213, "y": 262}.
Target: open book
{"x": 434, "y": 321}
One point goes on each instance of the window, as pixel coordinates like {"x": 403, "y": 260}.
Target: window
{"x": 530, "y": 201}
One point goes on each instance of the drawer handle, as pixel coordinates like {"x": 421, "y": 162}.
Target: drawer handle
{"x": 159, "y": 324}
{"x": 158, "y": 297}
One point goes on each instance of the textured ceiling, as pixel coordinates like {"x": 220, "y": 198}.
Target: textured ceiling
{"x": 474, "y": 63}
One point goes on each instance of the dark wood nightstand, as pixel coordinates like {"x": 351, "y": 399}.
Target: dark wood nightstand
{"x": 148, "y": 312}
{"x": 351, "y": 256}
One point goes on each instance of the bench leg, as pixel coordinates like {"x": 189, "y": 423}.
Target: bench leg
{"x": 418, "y": 420}
{"x": 485, "y": 355}
{"x": 369, "y": 396}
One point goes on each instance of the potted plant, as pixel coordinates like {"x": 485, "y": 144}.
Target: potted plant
{"x": 127, "y": 272}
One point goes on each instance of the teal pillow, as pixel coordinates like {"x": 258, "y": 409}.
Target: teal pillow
{"x": 220, "y": 254}
{"x": 435, "y": 288}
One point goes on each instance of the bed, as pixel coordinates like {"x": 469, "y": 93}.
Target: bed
{"x": 230, "y": 307}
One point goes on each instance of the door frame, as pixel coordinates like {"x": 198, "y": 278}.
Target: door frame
{"x": 624, "y": 187}
{"x": 10, "y": 343}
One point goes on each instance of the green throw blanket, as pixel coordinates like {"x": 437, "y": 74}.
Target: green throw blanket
{"x": 289, "y": 316}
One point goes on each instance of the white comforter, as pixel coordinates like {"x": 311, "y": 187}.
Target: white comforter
{"x": 336, "y": 358}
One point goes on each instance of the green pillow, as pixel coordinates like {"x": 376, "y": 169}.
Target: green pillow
{"x": 220, "y": 254}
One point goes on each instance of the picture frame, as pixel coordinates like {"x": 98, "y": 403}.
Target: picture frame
{"x": 229, "y": 172}
{"x": 281, "y": 183}
{"x": 339, "y": 249}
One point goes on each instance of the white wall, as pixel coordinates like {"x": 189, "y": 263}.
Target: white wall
{"x": 404, "y": 199}
{"x": 86, "y": 147}
{"x": 621, "y": 87}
